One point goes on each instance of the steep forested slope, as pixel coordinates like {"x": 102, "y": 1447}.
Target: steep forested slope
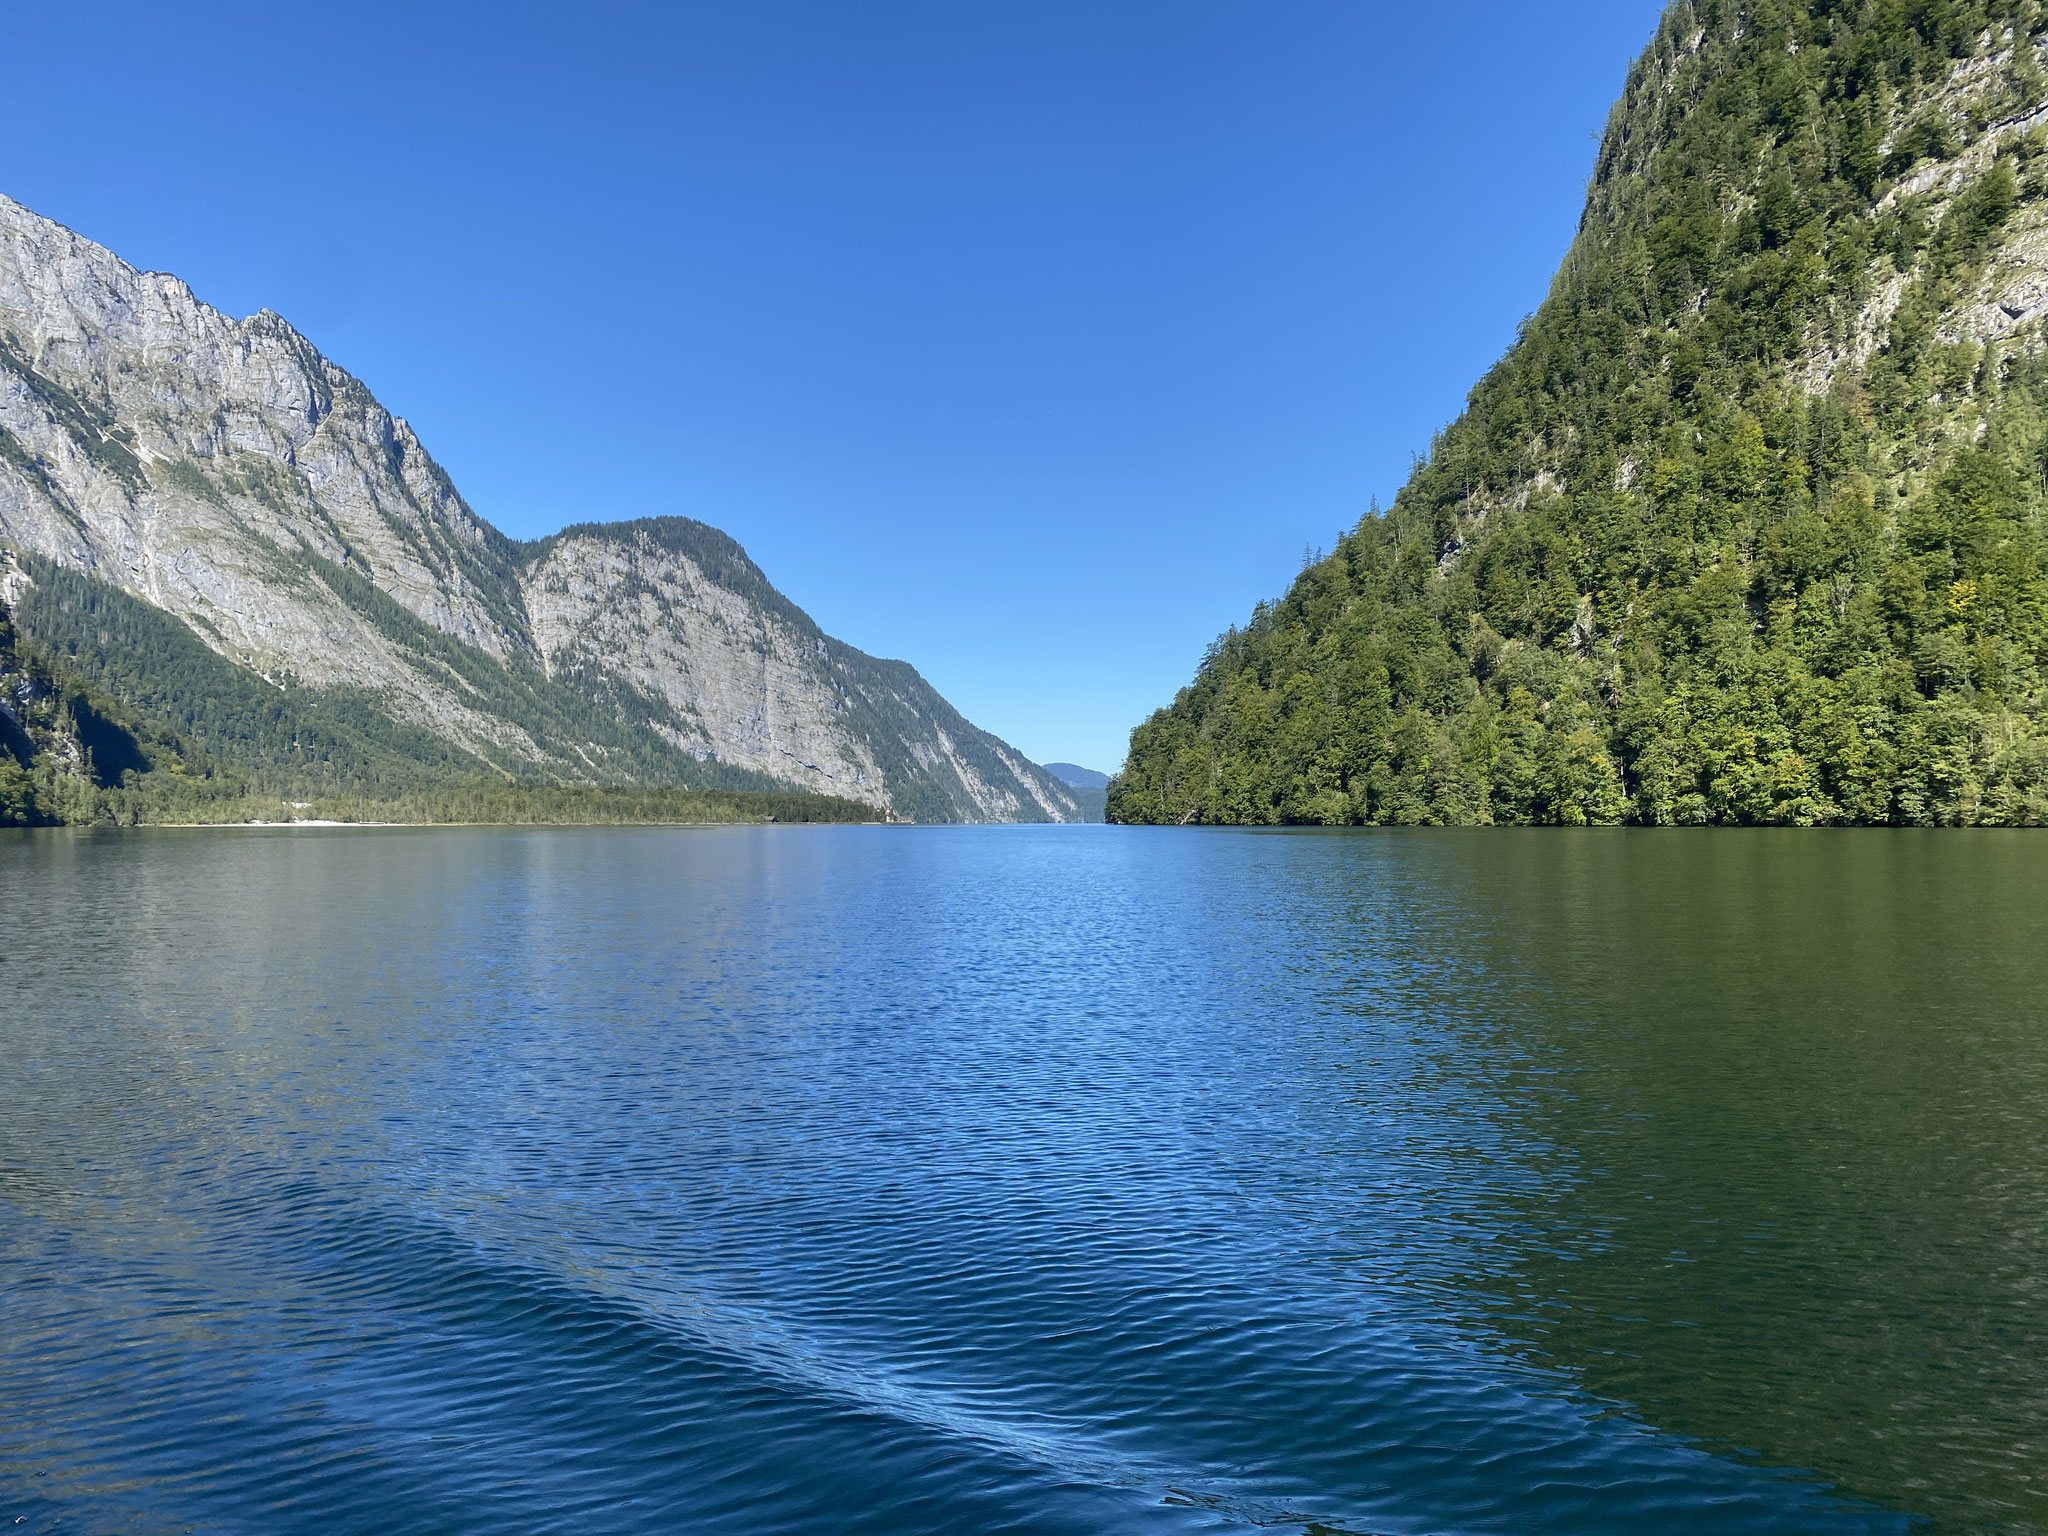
{"x": 1748, "y": 524}
{"x": 67, "y": 751}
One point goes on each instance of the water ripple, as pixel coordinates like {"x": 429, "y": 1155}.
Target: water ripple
{"x": 1061, "y": 1180}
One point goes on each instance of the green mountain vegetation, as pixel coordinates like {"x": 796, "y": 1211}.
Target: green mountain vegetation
{"x": 1748, "y": 524}
{"x": 66, "y": 751}
{"x": 73, "y": 752}
{"x": 303, "y": 742}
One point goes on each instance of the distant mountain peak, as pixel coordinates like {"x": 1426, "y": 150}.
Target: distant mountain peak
{"x": 1077, "y": 777}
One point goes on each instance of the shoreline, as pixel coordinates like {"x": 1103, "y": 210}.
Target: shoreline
{"x": 274, "y": 826}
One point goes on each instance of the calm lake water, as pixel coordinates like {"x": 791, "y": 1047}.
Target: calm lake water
{"x": 852, "y": 1180}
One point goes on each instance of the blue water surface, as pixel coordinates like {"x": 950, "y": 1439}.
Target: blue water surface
{"x": 1055, "y": 1180}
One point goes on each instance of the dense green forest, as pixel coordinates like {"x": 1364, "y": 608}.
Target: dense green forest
{"x": 306, "y": 742}
{"x": 542, "y": 805}
{"x": 1747, "y": 526}
{"x": 71, "y": 754}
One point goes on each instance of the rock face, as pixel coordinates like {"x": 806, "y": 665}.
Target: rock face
{"x": 677, "y": 612}
{"x": 222, "y": 472}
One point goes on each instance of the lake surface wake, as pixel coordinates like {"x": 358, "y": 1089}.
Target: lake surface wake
{"x": 1054, "y": 1180}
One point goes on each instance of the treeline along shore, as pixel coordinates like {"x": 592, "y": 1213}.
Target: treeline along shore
{"x": 526, "y": 805}
{"x": 538, "y": 806}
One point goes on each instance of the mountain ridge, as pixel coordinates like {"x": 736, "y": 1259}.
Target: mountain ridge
{"x": 226, "y": 474}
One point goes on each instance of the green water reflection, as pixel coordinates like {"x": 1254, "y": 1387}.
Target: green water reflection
{"x": 1790, "y": 1097}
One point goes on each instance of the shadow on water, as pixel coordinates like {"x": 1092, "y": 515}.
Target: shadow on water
{"x": 1770, "y": 1120}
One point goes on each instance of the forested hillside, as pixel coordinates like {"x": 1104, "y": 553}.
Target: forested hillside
{"x": 1747, "y": 526}
{"x": 69, "y": 753}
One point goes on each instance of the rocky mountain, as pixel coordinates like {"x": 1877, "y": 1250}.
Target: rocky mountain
{"x": 1750, "y": 524}
{"x": 207, "y": 521}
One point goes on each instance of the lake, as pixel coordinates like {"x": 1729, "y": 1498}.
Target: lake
{"x": 1067, "y": 1179}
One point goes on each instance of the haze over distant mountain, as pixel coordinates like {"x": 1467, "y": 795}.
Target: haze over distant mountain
{"x": 1089, "y": 787}
{"x": 214, "y": 525}
{"x": 1077, "y": 777}
{"x": 1751, "y": 522}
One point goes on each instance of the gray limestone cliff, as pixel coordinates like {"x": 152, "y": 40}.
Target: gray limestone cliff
{"x": 226, "y": 531}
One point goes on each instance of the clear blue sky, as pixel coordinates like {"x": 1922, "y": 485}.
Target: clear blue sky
{"x": 1027, "y": 341}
